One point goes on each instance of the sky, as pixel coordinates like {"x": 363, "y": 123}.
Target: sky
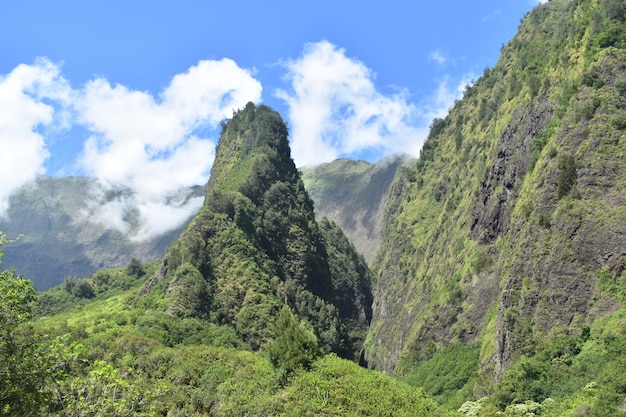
{"x": 132, "y": 93}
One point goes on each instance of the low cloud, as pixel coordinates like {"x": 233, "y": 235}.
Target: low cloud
{"x": 335, "y": 109}
{"x": 25, "y": 119}
{"x": 145, "y": 150}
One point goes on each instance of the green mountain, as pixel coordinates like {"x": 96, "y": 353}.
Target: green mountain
{"x": 504, "y": 245}
{"x": 58, "y": 242}
{"x": 353, "y": 194}
{"x": 247, "y": 313}
{"x": 498, "y": 288}
{"x": 256, "y": 246}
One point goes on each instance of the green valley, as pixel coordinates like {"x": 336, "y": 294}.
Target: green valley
{"x": 494, "y": 284}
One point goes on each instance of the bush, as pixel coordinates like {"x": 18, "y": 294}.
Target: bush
{"x": 567, "y": 175}
{"x": 135, "y": 268}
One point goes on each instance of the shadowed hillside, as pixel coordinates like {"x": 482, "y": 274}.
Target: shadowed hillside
{"x": 353, "y": 194}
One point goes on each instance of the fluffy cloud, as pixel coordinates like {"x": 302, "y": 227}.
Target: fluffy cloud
{"x": 144, "y": 150}
{"x": 25, "y": 119}
{"x": 335, "y": 109}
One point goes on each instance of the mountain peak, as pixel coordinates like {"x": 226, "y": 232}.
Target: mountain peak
{"x": 256, "y": 246}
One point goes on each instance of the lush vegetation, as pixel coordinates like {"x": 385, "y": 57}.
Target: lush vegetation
{"x": 504, "y": 244}
{"x": 256, "y": 246}
{"x": 121, "y": 354}
{"x": 500, "y": 284}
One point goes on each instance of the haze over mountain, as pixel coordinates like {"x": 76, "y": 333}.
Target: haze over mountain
{"x": 60, "y": 238}
{"x": 353, "y": 194}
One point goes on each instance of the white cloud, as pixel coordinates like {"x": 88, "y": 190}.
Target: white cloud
{"x": 25, "y": 118}
{"x": 438, "y": 56}
{"x": 336, "y": 110}
{"x": 144, "y": 151}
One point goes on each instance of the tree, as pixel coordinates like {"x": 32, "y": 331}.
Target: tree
{"x": 28, "y": 362}
{"x": 293, "y": 346}
{"x": 135, "y": 269}
{"x": 106, "y": 391}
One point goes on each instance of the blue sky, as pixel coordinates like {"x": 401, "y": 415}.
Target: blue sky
{"x": 132, "y": 93}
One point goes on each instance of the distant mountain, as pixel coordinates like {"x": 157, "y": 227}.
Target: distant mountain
{"x": 58, "y": 242}
{"x": 353, "y": 194}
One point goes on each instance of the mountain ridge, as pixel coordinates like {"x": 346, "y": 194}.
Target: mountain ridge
{"x": 508, "y": 231}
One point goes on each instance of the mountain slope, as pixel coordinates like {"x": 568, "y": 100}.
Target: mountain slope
{"x": 256, "y": 245}
{"x": 510, "y": 227}
{"x": 353, "y": 194}
{"x": 204, "y": 331}
{"x": 57, "y": 242}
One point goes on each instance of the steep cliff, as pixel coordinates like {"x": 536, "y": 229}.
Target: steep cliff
{"x": 256, "y": 245}
{"x": 510, "y": 226}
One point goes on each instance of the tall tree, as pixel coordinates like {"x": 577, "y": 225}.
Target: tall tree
{"x": 28, "y": 362}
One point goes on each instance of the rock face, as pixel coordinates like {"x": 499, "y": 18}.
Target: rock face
{"x": 510, "y": 226}
{"x": 491, "y": 214}
{"x": 256, "y": 246}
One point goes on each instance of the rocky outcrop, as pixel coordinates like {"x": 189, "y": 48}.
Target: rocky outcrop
{"x": 491, "y": 214}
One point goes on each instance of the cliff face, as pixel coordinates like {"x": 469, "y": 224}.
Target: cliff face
{"x": 256, "y": 245}
{"x": 510, "y": 226}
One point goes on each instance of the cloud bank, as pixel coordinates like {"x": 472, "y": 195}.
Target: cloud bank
{"x": 144, "y": 151}
{"x": 335, "y": 109}
{"x": 24, "y": 121}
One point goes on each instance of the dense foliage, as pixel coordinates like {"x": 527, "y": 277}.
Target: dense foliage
{"x": 30, "y": 361}
{"x": 256, "y": 246}
{"x": 123, "y": 355}
{"x": 500, "y": 283}
{"x": 508, "y": 236}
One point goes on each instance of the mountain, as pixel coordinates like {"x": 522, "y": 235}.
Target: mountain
{"x": 505, "y": 243}
{"x": 499, "y": 286}
{"x": 58, "y": 242}
{"x": 256, "y": 246}
{"x": 248, "y": 313}
{"x": 353, "y": 194}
